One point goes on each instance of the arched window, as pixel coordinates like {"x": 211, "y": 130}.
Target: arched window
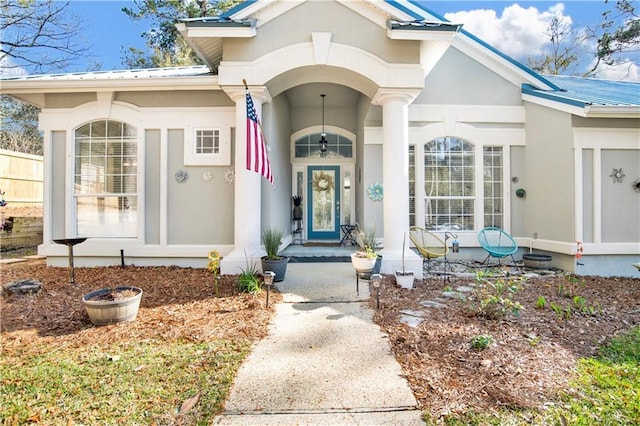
{"x": 105, "y": 179}
{"x": 338, "y": 146}
{"x": 461, "y": 192}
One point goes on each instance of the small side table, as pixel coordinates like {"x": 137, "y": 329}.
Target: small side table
{"x": 297, "y": 231}
{"x": 70, "y": 242}
{"x": 347, "y": 234}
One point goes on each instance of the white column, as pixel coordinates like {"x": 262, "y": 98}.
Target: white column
{"x": 395, "y": 177}
{"x": 247, "y": 213}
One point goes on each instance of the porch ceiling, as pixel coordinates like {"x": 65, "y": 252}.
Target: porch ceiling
{"x": 308, "y": 96}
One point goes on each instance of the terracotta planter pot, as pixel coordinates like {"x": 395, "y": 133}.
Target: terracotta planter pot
{"x": 103, "y": 309}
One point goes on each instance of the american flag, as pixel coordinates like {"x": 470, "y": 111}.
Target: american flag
{"x": 257, "y": 159}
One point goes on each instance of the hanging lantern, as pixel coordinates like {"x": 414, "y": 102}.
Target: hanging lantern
{"x": 323, "y": 140}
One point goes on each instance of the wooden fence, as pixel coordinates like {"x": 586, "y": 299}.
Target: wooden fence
{"x": 21, "y": 180}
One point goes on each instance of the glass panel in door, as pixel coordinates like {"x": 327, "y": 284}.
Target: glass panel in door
{"x": 323, "y": 192}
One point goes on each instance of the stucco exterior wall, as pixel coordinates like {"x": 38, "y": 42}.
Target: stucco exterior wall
{"x": 620, "y": 203}
{"x": 344, "y": 116}
{"x": 57, "y": 186}
{"x": 449, "y": 83}
{"x": 276, "y": 201}
{"x": 587, "y": 196}
{"x": 364, "y": 110}
{"x": 296, "y": 27}
{"x": 549, "y": 174}
{"x": 152, "y": 187}
{"x": 68, "y": 100}
{"x": 198, "y": 212}
{"x": 519, "y": 211}
{"x": 176, "y": 98}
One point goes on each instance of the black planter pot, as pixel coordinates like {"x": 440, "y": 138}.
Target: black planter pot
{"x": 297, "y": 213}
{"x": 378, "y": 265}
{"x": 277, "y": 266}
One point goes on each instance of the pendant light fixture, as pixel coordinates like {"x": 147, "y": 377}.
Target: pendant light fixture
{"x": 323, "y": 140}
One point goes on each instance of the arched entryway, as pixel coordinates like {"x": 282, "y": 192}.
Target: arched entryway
{"x": 324, "y": 181}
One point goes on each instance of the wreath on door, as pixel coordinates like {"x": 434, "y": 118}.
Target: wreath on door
{"x": 322, "y": 182}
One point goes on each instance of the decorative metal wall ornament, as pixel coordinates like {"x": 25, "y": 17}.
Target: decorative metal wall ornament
{"x": 229, "y": 176}
{"x": 636, "y": 185}
{"x": 322, "y": 182}
{"x": 617, "y": 175}
{"x": 375, "y": 191}
{"x": 182, "y": 176}
{"x": 207, "y": 176}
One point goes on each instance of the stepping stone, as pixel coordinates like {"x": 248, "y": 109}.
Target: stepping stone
{"x": 432, "y": 304}
{"x": 454, "y": 295}
{"x": 412, "y": 313}
{"x": 411, "y": 321}
{"x": 466, "y": 275}
{"x": 464, "y": 289}
{"x": 21, "y": 287}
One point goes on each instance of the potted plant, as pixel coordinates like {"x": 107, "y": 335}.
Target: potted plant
{"x": 113, "y": 305}
{"x": 404, "y": 278}
{"x": 271, "y": 238}
{"x": 297, "y": 207}
{"x": 365, "y": 259}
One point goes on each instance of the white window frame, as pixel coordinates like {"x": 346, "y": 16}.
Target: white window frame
{"x": 220, "y": 158}
{"x": 76, "y": 196}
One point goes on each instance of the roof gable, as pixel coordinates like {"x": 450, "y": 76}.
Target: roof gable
{"x": 401, "y": 19}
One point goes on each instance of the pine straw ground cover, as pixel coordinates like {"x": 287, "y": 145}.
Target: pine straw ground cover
{"x": 530, "y": 371}
{"x": 173, "y": 365}
{"x": 176, "y": 362}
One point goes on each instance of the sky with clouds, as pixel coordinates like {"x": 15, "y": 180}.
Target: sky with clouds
{"x": 515, "y": 28}
{"x": 518, "y": 29}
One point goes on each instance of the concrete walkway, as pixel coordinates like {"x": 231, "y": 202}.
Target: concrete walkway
{"x": 323, "y": 362}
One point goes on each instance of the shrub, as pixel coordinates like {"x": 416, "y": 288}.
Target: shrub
{"x": 248, "y": 281}
{"x": 271, "y": 239}
{"x": 481, "y": 341}
{"x": 492, "y": 297}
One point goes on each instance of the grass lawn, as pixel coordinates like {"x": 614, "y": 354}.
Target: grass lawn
{"x": 605, "y": 387}
{"x": 144, "y": 382}
{"x": 174, "y": 364}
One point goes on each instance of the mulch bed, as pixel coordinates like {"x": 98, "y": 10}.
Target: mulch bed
{"x": 532, "y": 359}
{"x": 177, "y": 303}
{"x": 533, "y": 356}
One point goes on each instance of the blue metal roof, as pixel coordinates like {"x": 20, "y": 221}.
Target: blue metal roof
{"x": 581, "y": 91}
{"x": 599, "y": 91}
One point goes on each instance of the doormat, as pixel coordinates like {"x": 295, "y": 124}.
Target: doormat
{"x": 319, "y": 259}
{"x": 320, "y": 244}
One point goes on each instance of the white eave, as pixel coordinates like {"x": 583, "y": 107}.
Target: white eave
{"x": 196, "y": 31}
{"x": 587, "y": 111}
{"x": 435, "y": 31}
{"x": 106, "y": 84}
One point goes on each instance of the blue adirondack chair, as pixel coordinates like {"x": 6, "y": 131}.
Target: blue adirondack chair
{"x": 497, "y": 243}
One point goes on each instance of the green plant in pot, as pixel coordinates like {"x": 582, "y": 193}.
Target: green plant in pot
{"x": 365, "y": 259}
{"x": 272, "y": 238}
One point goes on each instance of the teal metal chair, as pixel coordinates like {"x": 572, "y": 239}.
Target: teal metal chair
{"x": 497, "y": 243}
